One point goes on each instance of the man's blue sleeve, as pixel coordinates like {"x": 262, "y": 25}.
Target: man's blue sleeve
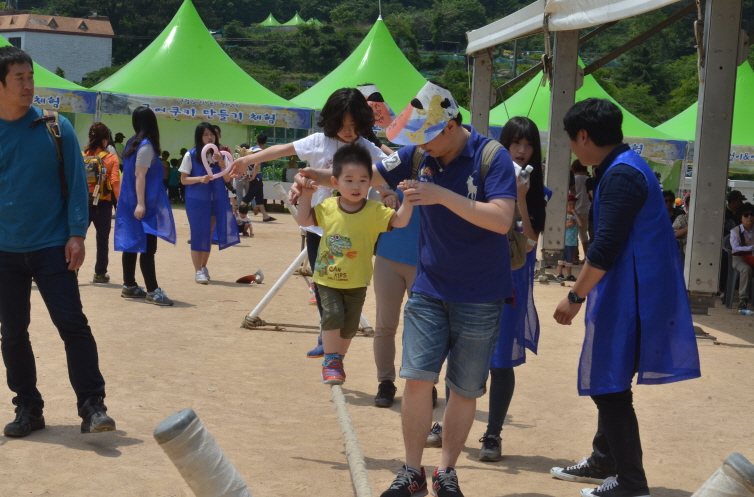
{"x": 397, "y": 166}
{"x": 75, "y": 177}
{"x": 500, "y": 180}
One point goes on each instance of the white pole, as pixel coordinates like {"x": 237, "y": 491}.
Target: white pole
{"x": 281, "y": 191}
{"x": 274, "y": 290}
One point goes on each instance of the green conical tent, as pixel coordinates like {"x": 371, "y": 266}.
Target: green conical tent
{"x": 186, "y": 62}
{"x": 316, "y": 22}
{"x": 376, "y": 60}
{"x": 45, "y": 78}
{"x": 295, "y": 21}
{"x": 270, "y": 22}
{"x": 533, "y": 101}
{"x": 684, "y": 124}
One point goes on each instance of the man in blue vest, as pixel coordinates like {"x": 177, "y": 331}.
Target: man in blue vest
{"x": 638, "y": 318}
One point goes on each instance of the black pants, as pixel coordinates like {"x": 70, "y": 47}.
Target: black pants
{"x": 146, "y": 261}
{"x": 101, "y": 215}
{"x": 502, "y": 384}
{"x": 312, "y": 247}
{"x": 256, "y": 192}
{"x": 60, "y": 291}
{"x": 617, "y": 446}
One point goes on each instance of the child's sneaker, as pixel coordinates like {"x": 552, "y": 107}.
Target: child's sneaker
{"x": 570, "y": 278}
{"x": 332, "y": 372}
{"x": 611, "y": 488}
{"x": 134, "y": 292}
{"x": 491, "y": 450}
{"x": 101, "y": 278}
{"x": 580, "y": 472}
{"x": 560, "y": 277}
{"x": 445, "y": 483}
{"x": 206, "y": 273}
{"x": 407, "y": 484}
{"x": 318, "y": 351}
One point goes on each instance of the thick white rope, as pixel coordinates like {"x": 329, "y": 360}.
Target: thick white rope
{"x": 356, "y": 463}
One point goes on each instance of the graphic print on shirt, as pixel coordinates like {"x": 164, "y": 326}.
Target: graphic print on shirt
{"x": 426, "y": 174}
{"x": 337, "y": 246}
{"x": 471, "y": 187}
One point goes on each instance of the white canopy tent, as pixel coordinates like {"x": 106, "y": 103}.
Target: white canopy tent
{"x": 723, "y": 46}
{"x": 561, "y": 15}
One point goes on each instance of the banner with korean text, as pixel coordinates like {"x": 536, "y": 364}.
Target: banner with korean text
{"x": 208, "y": 110}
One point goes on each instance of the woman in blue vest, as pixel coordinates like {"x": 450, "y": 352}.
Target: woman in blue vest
{"x": 207, "y": 205}
{"x": 144, "y": 212}
{"x": 519, "y": 323}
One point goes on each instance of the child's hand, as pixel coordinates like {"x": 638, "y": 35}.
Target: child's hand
{"x": 206, "y": 178}
{"x": 391, "y": 200}
{"x": 216, "y": 156}
{"x": 139, "y": 211}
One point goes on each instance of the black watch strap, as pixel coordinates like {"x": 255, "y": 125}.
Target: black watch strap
{"x": 574, "y": 298}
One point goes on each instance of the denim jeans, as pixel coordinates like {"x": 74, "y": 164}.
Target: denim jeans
{"x": 59, "y": 289}
{"x": 465, "y": 334}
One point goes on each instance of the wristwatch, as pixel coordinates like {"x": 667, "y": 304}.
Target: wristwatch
{"x": 573, "y": 298}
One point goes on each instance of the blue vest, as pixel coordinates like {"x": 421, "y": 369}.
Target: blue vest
{"x": 519, "y": 324}
{"x": 638, "y": 317}
{"x": 211, "y": 197}
{"x": 131, "y": 233}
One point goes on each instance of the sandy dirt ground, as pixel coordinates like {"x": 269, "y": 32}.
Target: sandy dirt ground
{"x": 263, "y": 401}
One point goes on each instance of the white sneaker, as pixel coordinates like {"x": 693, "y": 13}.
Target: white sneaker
{"x": 206, "y": 273}
{"x": 201, "y": 278}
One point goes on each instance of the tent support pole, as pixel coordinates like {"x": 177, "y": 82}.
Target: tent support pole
{"x": 481, "y": 92}
{"x": 722, "y": 28}
{"x": 565, "y": 82}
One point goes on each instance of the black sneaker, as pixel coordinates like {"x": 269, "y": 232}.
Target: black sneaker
{"x": 385, "y": 394}
{"x": 490, "y": 450}
{"x": 28, "y": 419}
{"x": 742, "y": 304}
{"x": 95, "y": 420}
{"x": 445, "y": 483}
{"x": 611, "y": 488}
{"x": 434, "y": 397}
{"x": 580, "y": 472}
{"x": 407, "y": 484}
{"x": 135, "y": 292}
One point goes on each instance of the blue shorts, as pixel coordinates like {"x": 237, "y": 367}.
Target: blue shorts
{"x": 568, "y": 252}
{"x": 465, "y": 334}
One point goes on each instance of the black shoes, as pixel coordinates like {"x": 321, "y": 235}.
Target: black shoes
{"x": 94, "y": 417}
{"x": 445, "y": 483}
{"x": 385, "y": 394}
{"x": 28, "y": 419}
{"x": 580, "y": 472}
{"x": 491, "y": 450}
{"x": 407, "y": 484}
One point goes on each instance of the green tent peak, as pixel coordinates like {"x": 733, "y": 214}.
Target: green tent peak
{"x": 533, "y": 101}
{"x": 295, "y": 21}
{"x": 376, "y": 60}
{"x": 684, "y": 124}
{"x": 45, "y": 78}
{"x": 270, "y": 21}
{"x": 184, "y": 61}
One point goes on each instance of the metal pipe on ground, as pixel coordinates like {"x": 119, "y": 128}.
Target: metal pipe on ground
{"x": 735, "y": 478}
{"x": 198, "y": 458}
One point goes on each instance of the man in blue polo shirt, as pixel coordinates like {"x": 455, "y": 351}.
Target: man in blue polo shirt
{"x": 463, "y": 275}
{"x": 47, "y": 249}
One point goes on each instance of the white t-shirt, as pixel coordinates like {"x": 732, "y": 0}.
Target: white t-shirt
{"x": 318, "y": 151}
{"x": 243, "y": 220}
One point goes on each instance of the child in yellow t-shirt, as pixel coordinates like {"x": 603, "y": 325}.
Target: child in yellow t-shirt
{"x": 351, "y": 224}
